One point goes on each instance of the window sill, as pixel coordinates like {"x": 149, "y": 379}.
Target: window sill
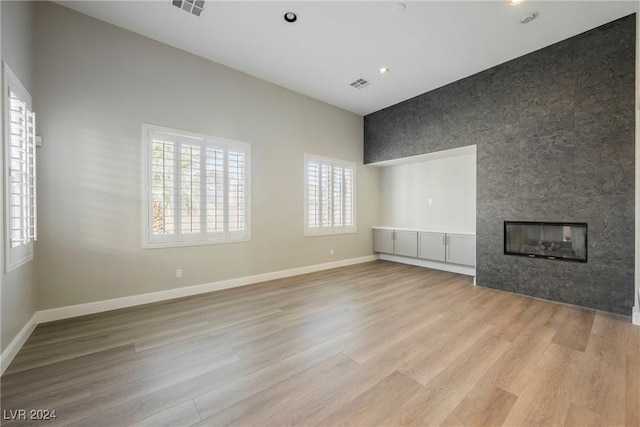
{"x": 328, "y": 233}
{"x": 18, "y": 264}
{"x": 165, "y": 245}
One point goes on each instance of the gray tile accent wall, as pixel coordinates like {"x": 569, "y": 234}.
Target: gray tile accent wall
{"x": 555, "y": 142}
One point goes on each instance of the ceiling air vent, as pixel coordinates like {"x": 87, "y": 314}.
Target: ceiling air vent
{"x": 360, "y": 83}
{"x": 194, "y": 7}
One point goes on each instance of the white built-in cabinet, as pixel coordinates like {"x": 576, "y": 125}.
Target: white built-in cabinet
{"x": 397, "y": 242}
{"x": 406, "y": 243}
{"x": 461, "y": 249}
{"x": 443, "y": 247}
{"x": 432, "y": 246}
{"x": 383, "y": 241}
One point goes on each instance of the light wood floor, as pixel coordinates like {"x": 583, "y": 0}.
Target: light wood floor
{"x": 373, "y": 344}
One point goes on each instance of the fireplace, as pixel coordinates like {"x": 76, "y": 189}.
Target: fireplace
{"x": 548, "y": 240}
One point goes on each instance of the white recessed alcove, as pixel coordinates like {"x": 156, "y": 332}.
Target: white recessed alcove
{"x": 435, "y": 191}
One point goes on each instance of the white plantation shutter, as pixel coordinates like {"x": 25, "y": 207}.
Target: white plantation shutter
{"x": 20, "y": 179}
{"x": 215, "y": 190}
{"x": 197, "y": 188}
{"x": 349, "y": 183}
{"x": 329, "y": 196}
{"x": 22, "y": 173}
{"x": 190, "y": 214}
{"x": 312, "y": 198}
{"x": 30, "y": 191}
{"x": 338, "y": 196}
{"x": 325, "y": 195}
{"x": 237, "y": 204}
{"x": 162, "y": 186}
{"x": 17, "y": 170}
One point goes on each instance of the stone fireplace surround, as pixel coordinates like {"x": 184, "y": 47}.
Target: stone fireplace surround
{"x": 554, "y": 132}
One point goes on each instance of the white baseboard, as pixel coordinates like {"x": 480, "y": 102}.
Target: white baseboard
{"x": 636, "y": 316}
{"x": 60, "y": 313}
{"x": 16, "y": 344}
{"x": 453, "y": 268}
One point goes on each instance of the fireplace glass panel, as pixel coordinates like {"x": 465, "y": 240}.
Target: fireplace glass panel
{"x": 551, "y": 240}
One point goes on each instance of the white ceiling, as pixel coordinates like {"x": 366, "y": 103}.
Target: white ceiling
{"x": 428, "y": 45}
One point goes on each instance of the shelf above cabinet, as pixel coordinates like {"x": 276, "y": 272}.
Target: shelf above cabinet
{"x": 426, "y": 230}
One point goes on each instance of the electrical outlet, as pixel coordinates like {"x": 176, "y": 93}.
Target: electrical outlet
{"x": 179, "y": 273}
{"x": 331, "y": 252}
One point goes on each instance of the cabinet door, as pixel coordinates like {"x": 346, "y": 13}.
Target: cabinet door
{"x": 432, "y": 246}
{"x": 406, "y": 243}
{"x": 461, "y": 249}
{"x": 383, "y": 241}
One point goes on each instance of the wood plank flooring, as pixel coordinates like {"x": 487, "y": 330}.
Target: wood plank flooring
{"x": 366, "y": 345}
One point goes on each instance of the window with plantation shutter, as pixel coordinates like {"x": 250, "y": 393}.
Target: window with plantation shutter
{"x": 20, "y": 170}
{"x": 196, "y": 189}
{"x": 329, "y": 199}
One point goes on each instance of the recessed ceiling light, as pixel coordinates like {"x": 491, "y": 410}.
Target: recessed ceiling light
{"x": 384, "y": 70}
{"x": 514, "y": 2}
{"x": 525, "y": 19}
{"x": 290, "y": 17}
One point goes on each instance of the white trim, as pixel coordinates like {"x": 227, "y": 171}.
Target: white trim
{"x": 60, "y": 313}
{"x": 16, "y": 344}
{"x": 329, "y": 230}
{"x": 197, "y": 243}
{"x": 445, "y": 266}
{"x": 116, "y": 303}
{"x": 437, "y": 155}
{"x": 178, "y": 239}
{"x": 22, "y": 254}
{"x": 635, "y": 318}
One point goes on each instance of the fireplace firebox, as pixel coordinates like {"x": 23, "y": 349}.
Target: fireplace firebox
{"x": 548, "y": 240}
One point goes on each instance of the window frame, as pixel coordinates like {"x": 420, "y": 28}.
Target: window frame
{"x": 207, "y": 238}
{"x": 17, "y": 256}
{"x": 333, "y": 229}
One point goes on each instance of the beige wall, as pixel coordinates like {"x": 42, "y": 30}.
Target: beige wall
{"x": 17, "y": 46}
{"x": 18, "y": 288}
{"x": 95, "y": 85}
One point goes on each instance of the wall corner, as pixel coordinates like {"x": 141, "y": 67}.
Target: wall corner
{"x": 636, "y": 293}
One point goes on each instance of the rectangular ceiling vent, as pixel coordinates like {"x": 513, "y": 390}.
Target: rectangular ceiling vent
{"x": 194, "y": 7}
{"x": 360, "y": 83}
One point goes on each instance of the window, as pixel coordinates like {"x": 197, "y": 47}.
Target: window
{"x": 20, "y": 172}
{"x": 329, "y": 206}
{"x": 196, "y": 189}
